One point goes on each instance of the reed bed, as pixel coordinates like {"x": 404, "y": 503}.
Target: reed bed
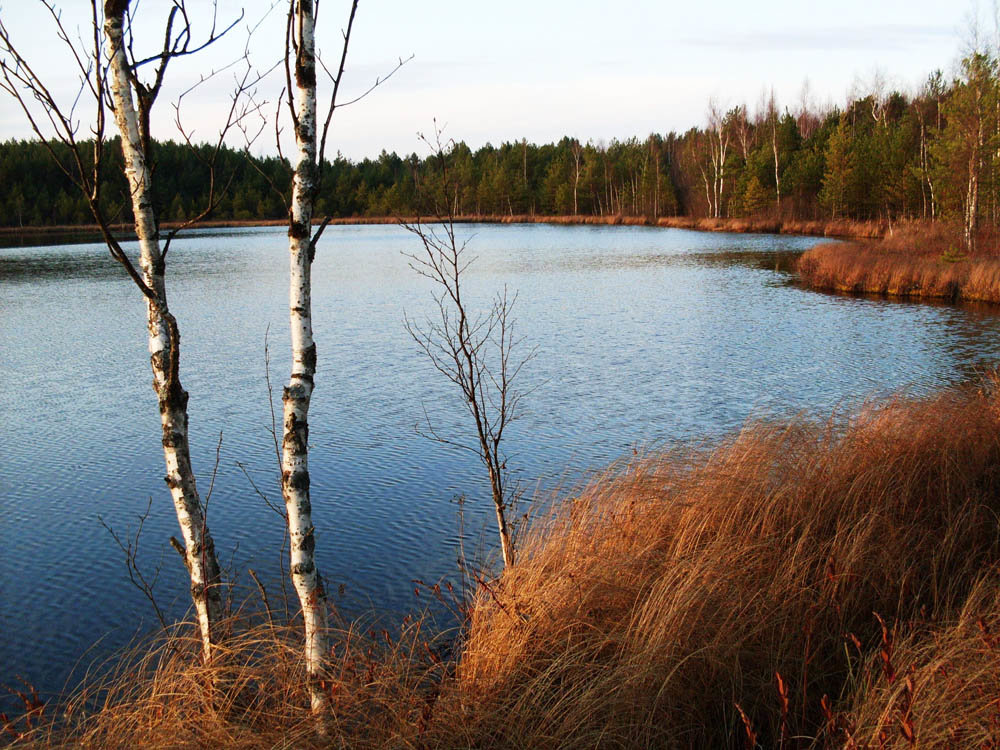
{"x": 931, "y": 684}
{"x": 919, "y": 263}
{"x": 829, "y": 228}
{"x": 659, "y": 607}
{"x": 800, "y": 585}
{"x": 159, "y": 694}
{"x": 763, "y": 225}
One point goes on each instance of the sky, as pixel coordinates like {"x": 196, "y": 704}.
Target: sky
{"x": 495, "y": 72}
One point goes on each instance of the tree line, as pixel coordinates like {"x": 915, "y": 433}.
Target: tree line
{"x": 886, "y": 155}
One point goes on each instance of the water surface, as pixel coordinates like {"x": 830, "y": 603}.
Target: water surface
{"x": 644, "y": 337}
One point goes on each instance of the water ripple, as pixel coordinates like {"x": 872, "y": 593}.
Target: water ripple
{"x": 645, "y": 337}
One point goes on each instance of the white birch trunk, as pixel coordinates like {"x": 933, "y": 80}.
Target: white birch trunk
{"x": 576, "y": 180}
{"x": 295, "y": 443}
{"x": 777, "y": 175}
{"x": 506, "y": 545}
{"x": 656, "y": 189}
{"x": 975, "y": 167}
{"x": 972, "y": 205}
{"x": 723, "y": 152}
{"x": 164, "y": 343}
{"x": 708, "y": 190}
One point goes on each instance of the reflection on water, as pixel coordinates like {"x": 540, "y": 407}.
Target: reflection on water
{"x": 26, "y": 269}
{"x": 13, "y": 238}
{"x": 645, "y": 337}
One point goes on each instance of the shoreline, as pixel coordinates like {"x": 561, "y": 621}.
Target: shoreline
{"x": 818, "y": 228}
{"x": 915, "y": 263}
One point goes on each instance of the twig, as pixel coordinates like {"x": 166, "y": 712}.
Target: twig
{"x": 263, "y": 595}
{"x": 130, "y": 546}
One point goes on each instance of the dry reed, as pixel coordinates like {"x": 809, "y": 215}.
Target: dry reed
{"x": 921, "y": 261}
{"x": 932, "y": 684}
{"x": 656, "y": 602}
{"x": 692, "y": 599}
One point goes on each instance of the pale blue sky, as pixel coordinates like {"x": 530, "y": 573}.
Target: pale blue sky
{"x": 594, "y": 69}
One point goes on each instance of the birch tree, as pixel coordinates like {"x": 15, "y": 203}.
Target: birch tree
{"x": 718, "y": 145}
{"x": 310, "y": 144}
{"x": 744, "y": 132}
{"x": 968, "y": 137}
{"x": 109, "y": 74}
{"x": 577, "y": 150}
{"x": 928, "y": 111}
{"x": 300, "y": 54}
{"x": 164, "y": 335}
{"x": 768, "y": 117}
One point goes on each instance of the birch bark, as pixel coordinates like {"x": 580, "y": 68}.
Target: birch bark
{"x": 774, "y": 149}
{"x": 297, "y": 394}
{"x": 164, "y": 339}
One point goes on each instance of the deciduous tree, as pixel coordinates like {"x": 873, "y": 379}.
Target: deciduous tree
{"x": 110, "y": 71}
{"x": 479, "y": 354}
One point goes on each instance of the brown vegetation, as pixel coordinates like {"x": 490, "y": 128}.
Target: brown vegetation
{"x": 923, "y": 260}
{"x": 830, "y": 228}
{"x": 654, "y": 603}
{"x": 689, "y": 600}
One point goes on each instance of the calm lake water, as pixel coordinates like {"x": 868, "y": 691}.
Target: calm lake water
{"x": 645, "y": 337}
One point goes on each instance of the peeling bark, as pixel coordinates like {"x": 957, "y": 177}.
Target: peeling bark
{"x": 164, "y": 340}
{"x": 297, "y": 394}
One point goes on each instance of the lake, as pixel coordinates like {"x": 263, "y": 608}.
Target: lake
{"x": 645, "y": 338}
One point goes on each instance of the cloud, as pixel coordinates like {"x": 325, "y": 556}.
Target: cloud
{"x": 886, "y": 36}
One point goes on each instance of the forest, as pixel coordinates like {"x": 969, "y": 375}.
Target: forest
{"x": 885, "y": 156}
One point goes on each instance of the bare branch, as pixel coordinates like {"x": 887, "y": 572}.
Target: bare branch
{"x": 260, "y": 493}
{"x": 290, "y": 47}
{"x": 471, "y": 350}
{"x": 242, "y": 106}
{"x": 130, "y": 547}
{"x": 179, "y": 45}
{"x": 215, "y": 471}
{"x": 315, "y": 238}
{"x": 270, "y": 399}
{"x": 336, "y": 82}
{"x": 337, "y": 79}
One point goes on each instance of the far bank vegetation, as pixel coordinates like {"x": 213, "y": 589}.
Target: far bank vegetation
{"x": 954, "y": 256}
{"x": 884, "y": 157}
{"x": 916, "y": 261}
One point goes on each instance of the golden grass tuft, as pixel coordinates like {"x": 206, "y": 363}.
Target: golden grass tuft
{"x": 657, "y": 601}
{"x": 936, "y": 686}
{"x": 660, "y": 606}
{"x": 915, "y": 261}
{"x": 160, "y": 695}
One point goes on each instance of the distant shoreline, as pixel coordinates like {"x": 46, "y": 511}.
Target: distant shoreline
{"x": 831, "y": 228}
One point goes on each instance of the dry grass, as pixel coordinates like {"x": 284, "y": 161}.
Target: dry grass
{"x": 918, "y": 261}
{"x": 933, "y": 684}
{"x": 253, "y": 695}
{"x": 830, "y": 228}
{"x": 654, "y": 603}
{"x": 663, "y": 596}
